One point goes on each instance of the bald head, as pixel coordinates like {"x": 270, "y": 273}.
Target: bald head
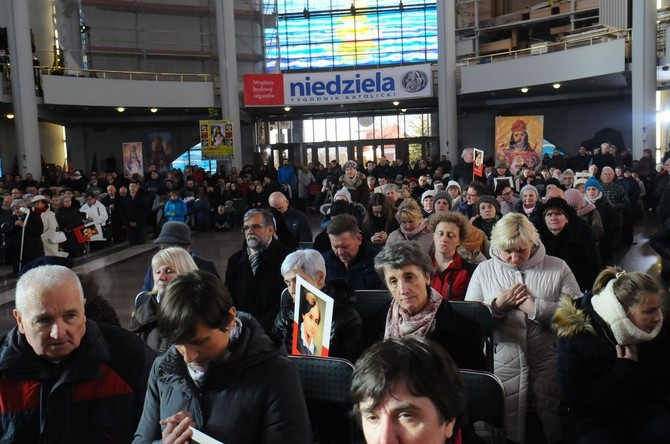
{"x": 278, "y": 201}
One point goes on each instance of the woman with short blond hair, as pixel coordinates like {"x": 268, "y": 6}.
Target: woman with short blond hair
{"x": 413, "y": 227}
{"x": 522, "y": 285}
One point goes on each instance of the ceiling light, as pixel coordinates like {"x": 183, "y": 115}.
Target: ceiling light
{"x": 120, "y": 109}
{"x": 403, "y": 109}
{"x": 396, "y": 103}
{"x": 10, "y": 116}
{"x": 556, "y": 85}
{"x": 153, "y": 110}
{"x": 287, "y": 108}
{"x": 524, "y": 90}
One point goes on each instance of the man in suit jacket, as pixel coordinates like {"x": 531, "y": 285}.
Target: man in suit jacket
{"x": 253, "y": 276}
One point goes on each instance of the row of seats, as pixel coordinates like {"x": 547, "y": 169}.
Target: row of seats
{"x": 369, "y": 302}
{"x": 326, "y": 383}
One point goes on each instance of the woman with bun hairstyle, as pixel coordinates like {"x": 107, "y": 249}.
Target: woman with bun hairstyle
{"x": 613, "y": 361}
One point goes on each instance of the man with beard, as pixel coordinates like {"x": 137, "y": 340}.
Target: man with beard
{"x": 253, "y": 275}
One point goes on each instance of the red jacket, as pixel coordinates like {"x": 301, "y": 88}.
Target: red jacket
{"x": 453, "y": 282}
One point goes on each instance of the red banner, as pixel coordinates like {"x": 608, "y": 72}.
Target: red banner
{"x": 263, "y": 90}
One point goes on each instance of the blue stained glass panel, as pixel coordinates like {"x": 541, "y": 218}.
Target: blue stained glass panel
{"x": 329, "y": 36}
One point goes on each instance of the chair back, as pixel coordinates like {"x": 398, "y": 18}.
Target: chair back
{"x": 481, "y": 313}
{"x": 326, "y": 383}
{"x": 369, "y": 302}
{"x": 486, "y": 401}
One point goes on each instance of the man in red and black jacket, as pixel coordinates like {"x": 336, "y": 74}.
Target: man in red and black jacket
{"x": 63, "y": 378}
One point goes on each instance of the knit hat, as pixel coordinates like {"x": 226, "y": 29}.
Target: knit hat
{"x": 531, "y": 188}
{"x": 592, "y": 182}
{"x": 442, "y": 195}
{"x": 553, "y": 181}
{"x": 573, "y": 197}
{"x": 428, "y": 193}
{"x": 174, "y": 233}
{"x": 453, "y": 183}
{"x": 343, "y": 192}
{"x": 558, "y": 203}
{"x": 489, "y": 200}
{"x": 580, "y": 181}
{"x": 46, "y": 260}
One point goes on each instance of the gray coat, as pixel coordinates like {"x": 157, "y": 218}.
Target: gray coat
{"x": 253, "y": 396}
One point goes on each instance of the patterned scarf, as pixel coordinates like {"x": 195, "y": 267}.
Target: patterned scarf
{"x": 399, "y": 323}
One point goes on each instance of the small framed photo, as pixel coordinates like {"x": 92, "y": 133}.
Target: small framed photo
{"x": 312, "y": 321}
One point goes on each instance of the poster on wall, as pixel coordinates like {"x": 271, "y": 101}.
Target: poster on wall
{"x": 518, "y": 140}
{"x": 313, "y": 320}
{"x": 478, "y": 168}
{"x": 133, "y": 162}
{"x": 216, "y": 139}
{"x": 160, "y": 147}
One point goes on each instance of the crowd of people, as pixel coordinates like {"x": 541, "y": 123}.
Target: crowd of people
{"x": 535, "y": 245}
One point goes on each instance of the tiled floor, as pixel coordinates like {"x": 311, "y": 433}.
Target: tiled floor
{"x": 120, "y": 272}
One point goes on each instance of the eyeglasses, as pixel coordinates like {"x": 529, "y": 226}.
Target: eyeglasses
{"x": 468, "y": 195}
{"x": 254, "y": 227}
{"x": 507, "y": 193}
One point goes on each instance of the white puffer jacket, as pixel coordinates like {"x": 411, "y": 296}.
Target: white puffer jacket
{"x": 525, "y": 354}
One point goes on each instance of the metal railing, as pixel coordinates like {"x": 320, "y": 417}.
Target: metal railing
{"x": 126, "y": 75}
{"x": 611, "y": 34}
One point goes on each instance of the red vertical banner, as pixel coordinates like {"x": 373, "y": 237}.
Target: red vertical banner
{"x": 478, "y": 164}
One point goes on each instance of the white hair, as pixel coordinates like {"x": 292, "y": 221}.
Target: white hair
{"x": 32, "y": 284}
{"x": 309, "y": 261}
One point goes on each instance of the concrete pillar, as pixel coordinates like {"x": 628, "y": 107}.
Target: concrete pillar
{"x": 230, "y": 102}
{"x": 23, "y": 89}
{"x": 446, "y": 83}
{"x": 643, "y": 77}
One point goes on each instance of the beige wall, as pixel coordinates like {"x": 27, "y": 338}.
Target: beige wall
{"x": 51, "y": 143}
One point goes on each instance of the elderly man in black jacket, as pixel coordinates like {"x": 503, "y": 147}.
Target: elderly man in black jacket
{"x": 253, "y": 275}
{"x": 65, "y": 379}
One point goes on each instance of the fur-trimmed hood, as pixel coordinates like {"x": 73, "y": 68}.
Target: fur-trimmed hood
{"x": 569, "y": 321}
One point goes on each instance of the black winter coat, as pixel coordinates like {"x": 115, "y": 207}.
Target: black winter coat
{"x": 257, "y": 294}
{"x": 254, "y": 395}
{"x": 95, "y": 395}
{"x": 461, "y": 337}
{"x": 575, "y": 245}
{"x": 361, "y": 274}
{"x": 599, "y": 389}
